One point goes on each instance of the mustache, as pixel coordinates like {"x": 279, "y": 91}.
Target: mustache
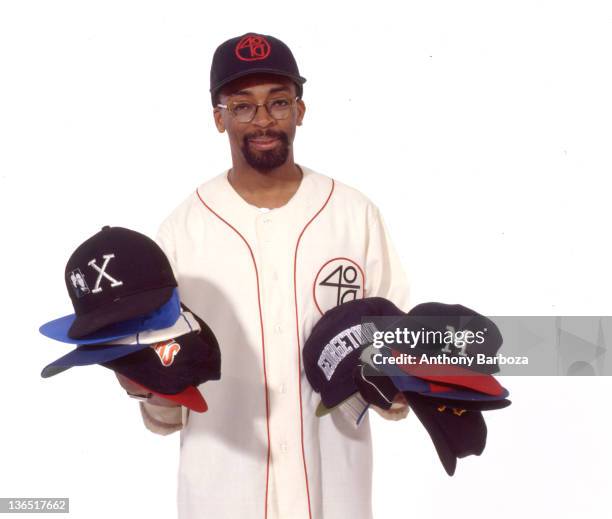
{"x": 273, "y": 134}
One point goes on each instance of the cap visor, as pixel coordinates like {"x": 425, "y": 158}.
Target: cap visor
{"x": 87, "y": 355}
{"x": 161, "y": 317}
{"x": 124, "y": 309}
{"x": 190, "y": 397}
{"x": 456, "y": 376}
{"x": 257, "y": 70}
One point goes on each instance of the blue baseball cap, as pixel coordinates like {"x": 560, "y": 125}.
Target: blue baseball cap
{"x": 90, "y": 354}
{"x": 165, "y": 316}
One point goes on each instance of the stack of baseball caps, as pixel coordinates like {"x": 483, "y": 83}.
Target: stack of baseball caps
{"x": 369, "y": 352}
{"x": 128, "y": 318}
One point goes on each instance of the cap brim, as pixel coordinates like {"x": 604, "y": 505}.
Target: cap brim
{"x": 163, "y": 315}
{"x": 257, "y": 70}
{"x": 410, "y": 384}
{"x": 87, "y": 355}
{"x": 123, "y": 309}
{"x": 190, "y": 397}
{"x": 456, "y": 376}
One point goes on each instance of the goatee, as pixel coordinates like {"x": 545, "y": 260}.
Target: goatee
{"x": 266, "y": 160}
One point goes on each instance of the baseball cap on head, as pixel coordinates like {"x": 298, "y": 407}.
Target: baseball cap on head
{"x": 114, "y": 276}
{"x": 249, "y": 54}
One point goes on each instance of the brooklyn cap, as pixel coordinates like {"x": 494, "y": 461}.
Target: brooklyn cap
{"x": 249, "y": 54}
{"x": 114, "y": 276}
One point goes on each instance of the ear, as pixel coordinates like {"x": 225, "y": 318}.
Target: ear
{"x": 218, "y": 116}
{"x": 301, "y": 110}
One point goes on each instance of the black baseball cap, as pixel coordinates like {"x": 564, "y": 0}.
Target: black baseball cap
{"x": 171, "y": 366}
{"x": 334, "y": 345}
{"x": 114, "y": 276}
{"x": 249, "y": 54}
{"x": 442, "y": 319}
{"x": 455, "y": 433}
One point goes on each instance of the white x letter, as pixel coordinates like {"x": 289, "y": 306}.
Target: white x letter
{"x": 102, "y": 272}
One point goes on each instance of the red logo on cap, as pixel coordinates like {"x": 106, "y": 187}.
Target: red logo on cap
{"x": 166, "y": 351}
{"x": 252, "y": 48}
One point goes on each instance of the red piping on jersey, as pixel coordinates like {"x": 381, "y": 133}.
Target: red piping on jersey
{"x": 299, "y": 348}
{"x": 314, "y": 283}
{"x": 263, "y": 345}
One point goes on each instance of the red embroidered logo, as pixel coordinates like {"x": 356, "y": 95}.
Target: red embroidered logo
{"x": 252, "y": 48}
{"x": 166, "y": 351}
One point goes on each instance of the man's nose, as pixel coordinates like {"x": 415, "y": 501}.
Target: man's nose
{"x": 262, "y": 117}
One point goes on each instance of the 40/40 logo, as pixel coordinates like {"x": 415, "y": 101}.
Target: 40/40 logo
{"x": 339, "y": 280}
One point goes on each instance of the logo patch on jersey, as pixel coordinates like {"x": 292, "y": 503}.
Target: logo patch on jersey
{"x": 339, "y": 280}
{"x": 103, "y": 274}
{"x": 166, "y": 351}
{"x": 79, "y": 284}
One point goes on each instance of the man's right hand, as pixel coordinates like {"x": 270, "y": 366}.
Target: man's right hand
{"x": 135, "y": 389}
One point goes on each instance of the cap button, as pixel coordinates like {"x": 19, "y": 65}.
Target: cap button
{"x": 106, "y": 228}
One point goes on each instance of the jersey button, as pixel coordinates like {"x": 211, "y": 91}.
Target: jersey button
{"x": 283, "y": 446}
{"x": 278, "y": 328}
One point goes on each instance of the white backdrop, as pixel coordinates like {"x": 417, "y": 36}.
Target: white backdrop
{"x": 481, "y": 129}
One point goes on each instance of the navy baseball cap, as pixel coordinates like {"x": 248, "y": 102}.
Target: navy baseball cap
{"x": 249, "y": 54}
{"x": 114, "y": 276}
{"x": 163, "y": 317}
{"x": 455, "y": 433}
{"x": 455, "y": 330}
{"x": 87, "y": 354}
{"x": 332, "y": 350}
{"x": 170, "y": 366}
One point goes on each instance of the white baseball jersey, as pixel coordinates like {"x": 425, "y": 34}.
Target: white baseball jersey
{"x": 261, "y": 280}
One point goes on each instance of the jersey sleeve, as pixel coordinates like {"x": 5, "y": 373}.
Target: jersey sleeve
{"x": 165, "y": 239}
{"x": 385, "y": 276}
{"x": 387, "y": 279}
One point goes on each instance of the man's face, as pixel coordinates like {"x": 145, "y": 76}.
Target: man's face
{"x": 264, "y": 143}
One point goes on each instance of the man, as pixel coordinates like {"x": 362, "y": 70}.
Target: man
{"x": 260, "y": 252}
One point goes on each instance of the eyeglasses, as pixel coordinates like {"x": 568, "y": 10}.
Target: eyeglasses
{"x": 278, "y": 107}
